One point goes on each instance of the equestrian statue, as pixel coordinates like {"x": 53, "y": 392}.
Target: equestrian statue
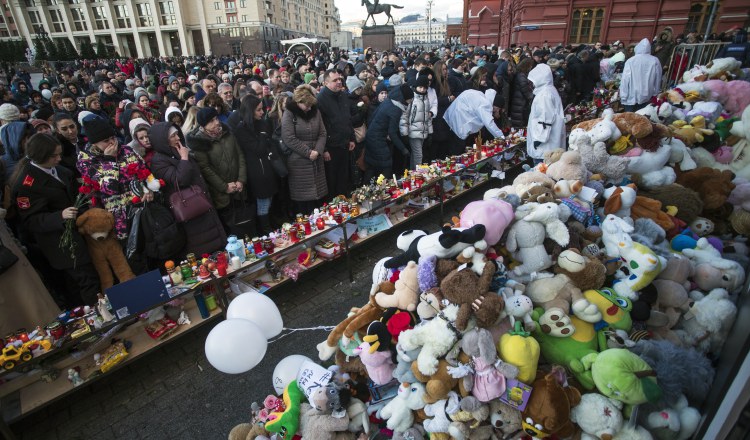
{"x": 377, "y": 8}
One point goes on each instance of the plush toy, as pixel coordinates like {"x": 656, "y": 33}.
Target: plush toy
{"x": 439, "y": 422}
{"x": 526, "y": 236}
{"x": 526, "y": 180}
{"x": 651, "y": 235}
{"x": 574, "y": 274}
{"x": 326, "y": 418}
{"x": 398, "y": 412}
{"x": 619, "y": 200}
{"x": 430, "y": 304}
{"x": 688, "y": 202}
{"x": 739, "y": 154}
{"x": 678, "y": 422}
{"x": 652, "y": 167}
{"x": 614, "y": 231}
{"x": 505, "y": 420}
{"x": 640, "y": 265}
{"x": 553, "y": 156}
{"x": 706, "y": 326}
{"x": 595, "y": 157}
{"x": 436, "y": 337}
{"x": 598, "y": 417}
{"x": 740, "y": 199}
{"x": 378, "y": 363}
{"x": 253, "y": 430}
{"x": 518, "y": 306}
{"x": 567, "y": 188}
{"x": 548, "y": 409}
{"x": 463, "y": 287}
{"x": 691, "y": 133}
{"x": 570, "y": 167}
{"x": 628, "y": 123}
{"x": 605, "y": 130}
{"x": 286, "y": 423}
{"x": 645, "y": 207}
{"x": 486, "y": 374}
{"x": 416, "y": 432}
{"x": 712, "y": 185}
{"x": 437, "y": 386}
{"x": 406, "y": 293}
{"x": 447, "y": 243}
{"x": 404, "y": 361}
{"x": 538, "y": 194}
{"x": 494, "y": 214}
{"x": 680, "y": 155}
{"x": 467, "y": 423}
{"x": 712, "y": 271}
{"x": 633, "y": 432}
{"x": 96, "y": 225}
{"x": 518, "y": 348}
{"x": 733, "y": 95}
{"x": 622, "y": 375}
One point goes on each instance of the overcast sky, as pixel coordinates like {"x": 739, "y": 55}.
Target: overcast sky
{"x": 352, "y": 10}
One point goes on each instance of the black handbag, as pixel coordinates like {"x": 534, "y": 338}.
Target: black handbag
{"x": 277, "y": 160}
{"x": 7, "y": 258}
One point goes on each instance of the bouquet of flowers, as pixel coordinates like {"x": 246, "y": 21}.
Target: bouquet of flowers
{"x": 145, "y": 181}
{"x": 85, "y": 196}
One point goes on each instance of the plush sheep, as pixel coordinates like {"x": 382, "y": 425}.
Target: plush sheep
{"x": 598, "y": 416}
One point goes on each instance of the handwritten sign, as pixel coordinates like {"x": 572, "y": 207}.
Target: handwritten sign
{"x": 312, "y": 376}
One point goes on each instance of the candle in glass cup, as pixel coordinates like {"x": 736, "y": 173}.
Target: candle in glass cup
{"x": 257, "y": 246}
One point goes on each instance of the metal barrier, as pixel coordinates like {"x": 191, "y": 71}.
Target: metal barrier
{"x": 685, "y": 56}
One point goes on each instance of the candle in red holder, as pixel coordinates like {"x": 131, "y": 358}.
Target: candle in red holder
{"x": 221, "y": 258}
{"x": 22, "y": 335}
{"x": 320, "y": 223}
{"x": 293, "y": 233}
{"x": 221, "y": 269}
{"x": 332, "y": 210}
{"x": 338, "y": 217}
{"x": 419, "y": 181}
{"x": 300, "y": 233}
{"x": 267, "y": 245}
{"x": 257, "y": 245}
{"x": 307, "y": 226}
{"x": 406, "y": 184}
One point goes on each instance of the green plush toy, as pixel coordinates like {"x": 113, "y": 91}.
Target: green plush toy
{"x": 567, "y": 351}
{"x": 615, "y": 312}
{"x": 622, "y": 375}
{"x": 286, "y": 423}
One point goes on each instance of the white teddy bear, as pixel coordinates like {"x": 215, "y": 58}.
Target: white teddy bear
{"x": 652, "y": 167}
{"x": 526, "y": 237}
{"x": 605, "y": 130}
{"x": 399, "y": 411}
{"x": 706, "y": 325}
{"x": 597, "y": 416}
{"x": 436, "y": 337}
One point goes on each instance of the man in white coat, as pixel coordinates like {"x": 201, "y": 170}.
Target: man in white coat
{"x": 641, "y": 78}
{"x": 472, "y": 110}
{"x": 546, "y": 129}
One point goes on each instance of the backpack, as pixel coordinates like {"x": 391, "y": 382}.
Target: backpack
{"x": 163, "y": 236}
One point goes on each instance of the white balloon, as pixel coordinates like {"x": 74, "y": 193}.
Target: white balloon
{"x": 235, "y": 346}
{"x": 259, "y": 309}
{"x": 286, "y": 371}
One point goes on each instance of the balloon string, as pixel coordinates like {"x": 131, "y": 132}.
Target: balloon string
{"x": 294, "y": 330}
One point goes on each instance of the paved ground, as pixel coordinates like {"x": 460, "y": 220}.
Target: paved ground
{"x": 173, "y": 393}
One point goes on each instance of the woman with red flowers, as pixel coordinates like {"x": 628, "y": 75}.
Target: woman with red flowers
{"x": 44, "y": 193}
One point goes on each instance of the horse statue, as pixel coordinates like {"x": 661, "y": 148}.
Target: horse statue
{"x": 379, "y": 8}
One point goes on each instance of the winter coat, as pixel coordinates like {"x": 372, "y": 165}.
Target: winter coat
{"x": 255, "y": 142}
{"x": 110, "y": 172}
{"x": 641, "y": 76}
{"x": 546, "y": 121}
{"x": 416, "y": 121}
{"x": 221, "y": 161}
{"x": 440, "y": 128}
{"x": 302, "y": 132}
{"x": 457, "y": 82}
{"x": 205, "y": 233}
{"x": 384, "y": 124}
{"x": 337, "y": 117}
{"x": 11, "y": 135}
{"x": 471, "y": 111}
{"x": 520, "y": 100}
{"x": 584, "y": 77}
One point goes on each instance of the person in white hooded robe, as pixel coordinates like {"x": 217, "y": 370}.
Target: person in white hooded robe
{"x": 546, "y": 129}
{"x": 641, "y": 78}
{"x": 472, "y": 110}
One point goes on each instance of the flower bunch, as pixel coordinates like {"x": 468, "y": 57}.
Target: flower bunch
{"x": 85, "y": 196}
{"x": 147, "y": 181}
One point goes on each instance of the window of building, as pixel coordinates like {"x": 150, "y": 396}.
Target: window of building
{"x": 244, "y": 18}
{"x": 57, "y": 21}
{"x": 243, "y": 3}
{"x": 100, "y": 17}
{"x": 586, "y": 25}
{"x": 218, "y": 20}
{"x": 30, "y": 3}
{"x": 217, "y": 6}
{"x": 79, "y": 21}
{"x": 123, "y": 16}
{"x": 144, "y": 14}
{"x": 36, "y": 21}
{"x": 698, "y": 17}
{"x": 230, "y": 6}
{"x": 234, "y": 32}
{"x": 167, "y": 13}
{"x": 231, "y": 18}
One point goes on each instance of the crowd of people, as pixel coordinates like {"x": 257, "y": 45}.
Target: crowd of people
{"x": 265, "y": 136}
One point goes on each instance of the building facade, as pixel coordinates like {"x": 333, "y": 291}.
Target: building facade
{"x": 143, "y": 28}
{"x": 355, "y": 27}
{"x": 420, "y": 32}
{"x": 506, "y": 22}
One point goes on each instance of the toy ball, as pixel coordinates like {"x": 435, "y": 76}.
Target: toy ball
{"x": 257, "y": 308}
{"x": 495, "y": 215}
{"x": 286, "y": 371}
{"x": 235, "y": 346}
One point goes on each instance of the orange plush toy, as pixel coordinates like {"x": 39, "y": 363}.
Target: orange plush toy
{"x": 96, "y": 225}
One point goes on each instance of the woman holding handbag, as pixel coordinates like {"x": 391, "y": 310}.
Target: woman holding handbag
{"x": 174, "y": 164}
{"x": 302, "y": 130}
{"x": 254, "y": 138}
{"x": 223, "y": 168}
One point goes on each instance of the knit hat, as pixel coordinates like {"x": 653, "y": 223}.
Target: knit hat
{"x": 309, "y": 76}
{"x": 187, "y": 95}
{"x": 387, "y": 72}
{"x": 353, "y": 83}
{"x": 172, "y": 79}
{"x": 381, "y": 87}
{"x": 46, "y": 94}
{"x": 151, "y": 89}
{"x": 83, "y": 116}
{"x": 135, "y": 124}
{"x": 9, "y": 112}
{"x": 138, "y": 92}
{"x": 129, "y": 82}
{"x": 406, "y": 92}
{"x": 37, "y": 122}
{"x": 395, "y": 80}
{"x": 192, "y": 78}
{"x": 422, "y": 81}
{"x": 97, "y": 130}
{"x": 359, "y": 67}
{"x": 473, "y": 70}
{"x": 206, "y": 115}
{"x": 45, "y": 113}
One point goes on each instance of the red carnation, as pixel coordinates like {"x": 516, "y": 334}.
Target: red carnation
{"x": 162, "y": 182}
{"x": 96, "y": 186}
{"x": 87, "y": 180}
{"x": 84, "y": 189}
{"x": 136, "y": 200}
{"x": 143, "y": 174}
{"x": 131, "y": 169}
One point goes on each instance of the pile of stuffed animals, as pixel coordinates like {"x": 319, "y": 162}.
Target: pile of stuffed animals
{"x": 602, "y": 280}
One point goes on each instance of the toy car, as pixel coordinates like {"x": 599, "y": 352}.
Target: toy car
{"x": 13, "y": 355}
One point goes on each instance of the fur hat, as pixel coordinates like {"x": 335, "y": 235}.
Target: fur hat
{"x": 98, "y": 129}
{"x": 554, "y": 63}
{"x": 305, "y": 94}
{"x": 206, "y": 115}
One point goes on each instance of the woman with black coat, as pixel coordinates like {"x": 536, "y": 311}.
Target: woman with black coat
{"x": 523, "y": 94}
{"x": 254, "y": 138}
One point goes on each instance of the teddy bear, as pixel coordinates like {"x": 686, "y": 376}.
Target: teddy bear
{"x": 570, "y": 166}
{"x": 740, "y": 200}
{"x": 678, "y": 422}
{"x": 619, "y": 200}
{"x": 505, "y": 420}
{"x": 485, "y": 376}
{"x": 605, "y": 130}
{"x": 96, "y": 225}
{"x": 525, "y": 239}
{"x": 706, "y": 326}
{"x": 538, "y": 194}
{"x": 739, "y": 162}
{"x": 575, "y": 273}
{"x": 712, "y": 271}
{"x": 437, "y": 386}
{"x": 680, "y": 155}
{"x": 463, "y": 287}
{"x": 595, "y": 157}
{"x": 436, "y": 337}
{"x": 467, "y": 423}
{"x": 652, "y": 167}
{"x": 733, "y": 95}
{"x": 406, "y": 293}
{"x": 399, "y": 411}
{"x": 638, "y": 126}
{"x": 598, "y": 416}
{"x": 526, "y": 180}
{"x": 548, "y": 410}
{"x": 688, "y": 203}
{"x": 553, "y": 156}
{"x": 439, "y": 423}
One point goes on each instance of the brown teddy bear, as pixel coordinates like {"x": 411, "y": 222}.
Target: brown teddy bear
{"x": 96, "y": 226}
{"x": 549, "y": 407}
{"x": 638, "y": 126}
{"x": 463, "y": 286}
{"x": 688, "y": 203}
{"x": 538, "y": 194}
{"x": 712, "y": 185}
{"x": 652, "y": 142}
{"x": 436, "y": 386}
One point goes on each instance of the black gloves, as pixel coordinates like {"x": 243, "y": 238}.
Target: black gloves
{"x": 537, "y": 144}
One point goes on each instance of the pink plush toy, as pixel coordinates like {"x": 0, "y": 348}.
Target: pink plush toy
{"x": 378, "y": 363}
{"x": 723, "y": 154}
{"x": 495, "y": 215}
{"x": 733, "y": 95}
{"x": 740, "y": 195}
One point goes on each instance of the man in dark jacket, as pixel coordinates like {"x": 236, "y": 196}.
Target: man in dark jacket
{"x": 585, "y": 75}
{"x": 739, "y": 49}
{"x": 336, "y": 111}
{"x": 385, "y": 124}
{"x": 456, "y": 79}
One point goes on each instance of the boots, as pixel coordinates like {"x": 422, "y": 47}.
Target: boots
{"x": 264, "y": 224}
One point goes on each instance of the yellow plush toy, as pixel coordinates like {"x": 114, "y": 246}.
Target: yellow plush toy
{"x": 691, "y": 133}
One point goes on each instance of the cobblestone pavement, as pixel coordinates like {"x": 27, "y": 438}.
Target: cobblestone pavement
{"x": 174, "y": 393}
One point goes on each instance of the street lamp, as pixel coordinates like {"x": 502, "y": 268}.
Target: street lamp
{"x": 429, "y": 22}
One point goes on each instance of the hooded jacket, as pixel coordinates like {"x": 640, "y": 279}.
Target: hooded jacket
{"x": 254, "y": 140}
{"x": 385, "y": 123}
{"x": 135, "y": 125}
{"x": 546, "y": 119}
{"x": 11, "y": 136}
{"x": 221, "y": 161}
{"x": 641, "y": 76}
{"x": 471, "y": 111}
